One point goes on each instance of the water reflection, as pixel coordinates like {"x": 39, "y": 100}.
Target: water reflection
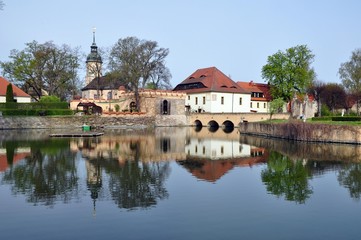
{"x": 131, "y": 168}
{"x": 291, "y": 165}
{"x": 210, "y": 155}
{"x": 46, "y": 174}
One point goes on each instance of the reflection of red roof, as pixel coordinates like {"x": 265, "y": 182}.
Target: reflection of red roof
{"x": 209, "y": 80}
{"x": 17, "y": 91}
{"x": 4, "y": 162}
{"x": 212, "y": 170}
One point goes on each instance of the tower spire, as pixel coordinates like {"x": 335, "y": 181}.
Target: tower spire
{"x": 94, "y": 35}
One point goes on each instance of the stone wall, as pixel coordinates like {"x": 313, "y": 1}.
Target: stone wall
{"x": 300, "y": 131}
{"x": 76, "y": 122}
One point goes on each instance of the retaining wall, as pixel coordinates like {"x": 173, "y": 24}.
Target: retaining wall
{"x": 308, "y": 132}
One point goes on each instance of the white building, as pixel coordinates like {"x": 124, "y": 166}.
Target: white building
{"x": 210, "y": 90}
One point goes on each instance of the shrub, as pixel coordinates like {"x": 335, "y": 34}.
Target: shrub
{"x": 49, "y": 99}
{"x": 117, "y": 107}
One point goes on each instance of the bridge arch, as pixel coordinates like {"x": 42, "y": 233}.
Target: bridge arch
{"x": 213, "y": 126}
{"x": 198, "y": 123}
{"x": 228, "y": 126}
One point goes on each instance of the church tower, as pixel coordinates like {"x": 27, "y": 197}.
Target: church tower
{"x": 93, "y": 63}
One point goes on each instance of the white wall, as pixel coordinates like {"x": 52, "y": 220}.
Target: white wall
{"x": 217, "y": 149}
{"x": 260, "y": 106}
{"x": 18, "y": 99}
{"x": 23, "y": 99}
{"x": 213, "y": 102}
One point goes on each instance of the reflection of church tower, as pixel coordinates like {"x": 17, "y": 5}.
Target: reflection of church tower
{"x": 94, "y": 181}
{"x": 93, "y": 63}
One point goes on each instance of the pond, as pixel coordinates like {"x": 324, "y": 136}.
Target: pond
{"x": 176, "y": 183}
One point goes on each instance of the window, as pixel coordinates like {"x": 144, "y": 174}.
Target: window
{"x": 165, "y": 107}
{"x": 189, "y": 97}
{"x": 204, "y": 100}
{"x": 196, "y": 100}
{"x": 222, "y": 100}
{"x": 240, "y": 101}
{"x": 251, "y": 104}
{"x": 222, "y": 150}
{"x": 196, "y": 149}
{"x": 264, "y": 105}
{"x": 204, "y": 150}
{"x": 258, "y": 105}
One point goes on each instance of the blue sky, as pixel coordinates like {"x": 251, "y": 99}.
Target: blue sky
{"x": 236, "y": 36}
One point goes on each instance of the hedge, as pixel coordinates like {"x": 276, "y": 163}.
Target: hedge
{"x": 35, "y": 112}
{"x": 327, "y": 118}
{"x": 34, "y": 105}
{"x": 347, "y": 118}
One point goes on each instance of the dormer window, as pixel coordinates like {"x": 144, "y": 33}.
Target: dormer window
{"x": 223, "y": 86}
{"x": 191, "y": 78}
{"x": 202, "y": 76}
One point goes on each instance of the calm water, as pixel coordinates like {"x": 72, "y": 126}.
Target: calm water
{"x": 176, "y": 183}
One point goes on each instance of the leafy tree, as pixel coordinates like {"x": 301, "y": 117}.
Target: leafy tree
{"x": 275, "y": 106}
{"x": 334, "y": 96}
{"x": 44, "y": 67}
{"x": 138, "y": 62}
{"x": 9, "y": 93}
{"x": 350, "y": 74}
{"x": 289, "y": 72}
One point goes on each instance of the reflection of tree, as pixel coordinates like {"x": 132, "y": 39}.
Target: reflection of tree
{"x": 135, "y": 184}
{"x": 286, "y": 177}
{"x": 48, "y": 175}
{"x": 350, "y": 177}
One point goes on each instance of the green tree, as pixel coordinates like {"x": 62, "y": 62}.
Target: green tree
{"x": 289, "y": 72}
{"x": 350, "y": 74}
{"x": 275, "y": 106}
{"x": 9, "y": 93}
{"x": 44, "y": 67}
{"x": 137, "y": 62}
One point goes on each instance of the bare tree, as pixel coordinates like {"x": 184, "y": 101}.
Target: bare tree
{"x": 137, "y": 61}
{"x": 350, "y": 73}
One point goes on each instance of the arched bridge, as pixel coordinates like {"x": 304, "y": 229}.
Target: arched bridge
{"x": 229, "y": 120}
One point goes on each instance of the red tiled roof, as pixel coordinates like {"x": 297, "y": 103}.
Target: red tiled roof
{"x": 209, "y": 80}
{"x": 257, "y": 88}
{"x": 17, "y": 91}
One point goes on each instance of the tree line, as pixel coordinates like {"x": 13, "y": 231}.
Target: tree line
{"x": 290, "y": 75}
{"x": 50, "y": 69}
{"x": 53, "y": 69}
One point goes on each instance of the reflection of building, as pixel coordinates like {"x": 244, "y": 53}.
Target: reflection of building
{"x": 134, "y": 146}
{"x": 18, "y": 155}
{"x": 94, "y": 181}
{"x": 211, "y": 155}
